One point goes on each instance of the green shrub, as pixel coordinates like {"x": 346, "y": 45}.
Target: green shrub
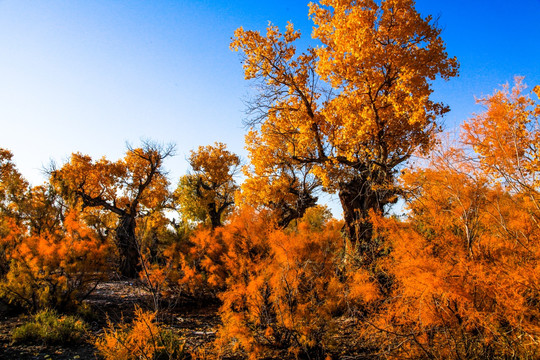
{"x": 49, "y": 328}
{"x": 86, "y": 312}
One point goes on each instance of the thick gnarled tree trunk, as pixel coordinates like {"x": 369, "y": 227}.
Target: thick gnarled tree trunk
{"x": 358, "y": 198}
{"x": 128, "y": 249}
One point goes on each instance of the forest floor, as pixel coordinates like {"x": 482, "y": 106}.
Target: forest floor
{"x": 115, "y": 300}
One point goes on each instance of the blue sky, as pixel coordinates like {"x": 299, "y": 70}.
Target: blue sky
{"x": 89, "y": 75}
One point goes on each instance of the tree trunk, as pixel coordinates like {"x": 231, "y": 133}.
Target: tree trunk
{"x": 288, "y": 212}
{"x": 358, "y": 197}
{"x": 127, "y": 246}
{"x": 215, "y": 216}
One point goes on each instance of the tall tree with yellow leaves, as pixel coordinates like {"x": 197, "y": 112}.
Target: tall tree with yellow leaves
{"x": 355, "y": 108}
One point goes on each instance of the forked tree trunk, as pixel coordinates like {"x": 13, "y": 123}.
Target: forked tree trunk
{"x": 288, "y": 212}
{"x": 215, "y": 213}
{"x": 128, "y": 249}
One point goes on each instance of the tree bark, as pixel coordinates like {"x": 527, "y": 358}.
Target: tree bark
{"x": 288, "y": 212}
{"x": 128, "y": 249}
{"x": 359, "y": 197}
{"x": 215, "y": 216}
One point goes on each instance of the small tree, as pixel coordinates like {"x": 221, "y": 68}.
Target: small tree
{"x": 125, "y": 187}
{"x": 208, "y": 193}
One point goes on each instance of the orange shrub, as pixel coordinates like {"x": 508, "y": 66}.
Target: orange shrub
{"x": 143, "y": 339}
{"x": 203, "y": 268}
{"x": 54, "y": 268}
{"x": 187, "y": 270}
{"x": 467, "y": 262}
{"x": 286, "y": 290}
{"x": 282, "y": 291}
{"x": 466, "y": 272}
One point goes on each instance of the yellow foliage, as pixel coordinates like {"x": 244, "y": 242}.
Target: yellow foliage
{"x": 376, "y": 63}
{"x": 207, "y": 195}
{"x": 143, "y": 339}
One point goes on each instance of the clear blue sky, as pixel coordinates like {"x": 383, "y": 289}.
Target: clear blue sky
{"x": 89, "y": 75}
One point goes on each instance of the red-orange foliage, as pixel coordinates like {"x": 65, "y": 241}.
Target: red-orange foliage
{"x": 286, "y": 290}
{"x": 281, "y": 290}
{"x": 466, "y": 264}
{"x": 48, "y": 257}
{"x": 204, "y": 268}
{"x": 55, "y": 268}
{"x": 463, "y": 288}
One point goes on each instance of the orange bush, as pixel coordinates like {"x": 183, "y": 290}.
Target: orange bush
{"x": 286, "y": 290}
{"x": 465, "y": 268}
{"x": 281, "y": 290}
{"x": 54, "y": 268}
{"x": 202, "y": 268}
{"x": 143, "y": 339}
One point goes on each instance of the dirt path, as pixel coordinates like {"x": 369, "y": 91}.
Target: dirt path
{"x": 114, "y": 300}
